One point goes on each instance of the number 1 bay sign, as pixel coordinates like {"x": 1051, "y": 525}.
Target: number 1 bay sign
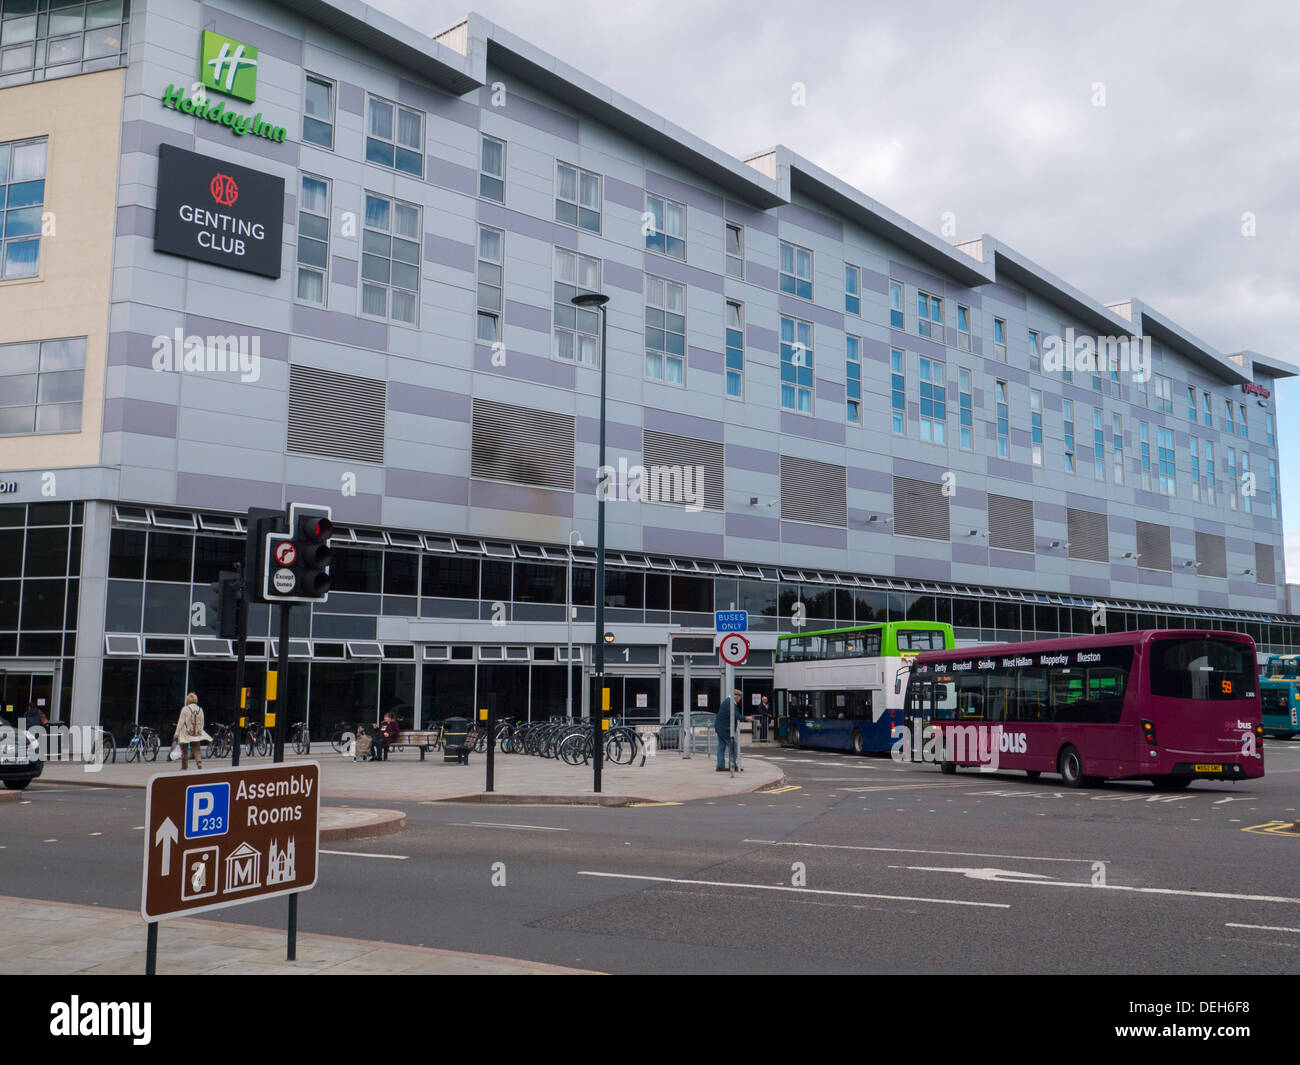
{"x": 223, "y": 837}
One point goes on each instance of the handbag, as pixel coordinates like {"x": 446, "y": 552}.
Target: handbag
{"x": 174, "y": 755}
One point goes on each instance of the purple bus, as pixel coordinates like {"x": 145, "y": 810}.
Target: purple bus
{"x": 1166, "y": 705}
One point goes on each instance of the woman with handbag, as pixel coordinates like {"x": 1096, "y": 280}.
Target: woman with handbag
{"x": 189, "y": 732}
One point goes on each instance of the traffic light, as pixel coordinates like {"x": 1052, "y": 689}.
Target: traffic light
{"x": 296, "y": 563}
{"x": 228, "y": 590}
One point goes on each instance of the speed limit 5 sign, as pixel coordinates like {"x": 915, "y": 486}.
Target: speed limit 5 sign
{"x": 734, "y": 649}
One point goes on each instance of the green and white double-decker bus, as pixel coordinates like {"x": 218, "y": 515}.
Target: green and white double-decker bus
{"x": 842, "y": 689}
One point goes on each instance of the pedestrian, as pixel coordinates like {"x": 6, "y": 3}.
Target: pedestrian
{"x": 385, "y": 737}
{"x": 722, "y": 726}
{"x": 190, "y": 734}
{"x": 766, "y": 711}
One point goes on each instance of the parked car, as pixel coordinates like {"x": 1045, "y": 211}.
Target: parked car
{"x": 20, "y": 758}
{"x": 670, "y": 733}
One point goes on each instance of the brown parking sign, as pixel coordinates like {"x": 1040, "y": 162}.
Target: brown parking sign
{"x": 223, "y": 837}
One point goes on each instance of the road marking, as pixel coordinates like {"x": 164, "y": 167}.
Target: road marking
{"x": 782, "y": 789}
{"x": 1276, "y": 828}
{"x": 897, "y": 787}
{"x": 654, "y": 804}
{"x": 909, "y": 850}
{"x": 97, "y": 833}
{"x": 496, "y": 824}
{"x": 367, "y": 854}
{"x": 1262, "y": 927}
{"x": 795, "y": 890}
{"x": 984, "y": 874}
{"x": 50, "y": 841}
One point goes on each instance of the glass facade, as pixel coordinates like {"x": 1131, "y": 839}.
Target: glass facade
{"x": 42, "y": 39}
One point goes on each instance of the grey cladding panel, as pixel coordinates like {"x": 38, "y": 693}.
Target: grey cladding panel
{"x": 813, "y": 491}
{"x": 1153, "y": 546}
{"x": 1212, "y": 554}
{"x": 920, "y": 509}
{"x": 667, "y": 449}
{"x": 1088, "y": 535}
{"x": 336, "y": 414}
{"x": 1264, "y": 572}
{"x": 1011, "y": 523}
{"x": 522, "y": 445}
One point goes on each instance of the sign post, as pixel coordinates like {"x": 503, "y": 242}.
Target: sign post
{"x": 223, "y": 837}
{"x": 733, "y": 650}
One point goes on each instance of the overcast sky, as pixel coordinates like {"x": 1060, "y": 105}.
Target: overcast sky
{"x": 990, "y": 111}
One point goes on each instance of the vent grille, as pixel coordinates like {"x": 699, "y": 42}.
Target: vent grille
{"x": 813, "y": 491}
{"x": 1088, "y": 535}
{"x": 920, "y": 509}
{"x": 1153, "y": 546}
{"x": 522, "y": 445}
{"x": 665, "y": 449}
{"x": 336, "y": 414}
{"x": 1212, "y": 554}
{"x": 1264, "y": 573}
{"x": 1011, "y": 523}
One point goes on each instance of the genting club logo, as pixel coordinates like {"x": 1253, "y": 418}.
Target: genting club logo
{"x": 224, "y": 190}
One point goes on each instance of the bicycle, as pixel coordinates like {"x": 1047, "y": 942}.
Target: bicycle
{"x": 144, "y": 744}
{"x": 301, "y": 738}
{"x": 343, "y": 738}
{"x": 259, "y": 738}
{"x": 223, "y": 740}
{"x": 103, "y": 748}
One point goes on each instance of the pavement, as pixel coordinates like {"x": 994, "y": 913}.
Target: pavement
{"x": 45, "y": 937}
{"x": 519, "y": 778}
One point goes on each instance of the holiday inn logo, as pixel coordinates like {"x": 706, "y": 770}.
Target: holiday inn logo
{"x": 229, "y": 66}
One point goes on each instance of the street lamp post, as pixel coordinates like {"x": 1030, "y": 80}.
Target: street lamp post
{"x": 598, "y": 300}
{"x": 568, "y": 608}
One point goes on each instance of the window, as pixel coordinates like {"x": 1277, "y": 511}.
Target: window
{"x": 1002, "y": 412}
{"x": 318, "y": 112}
{"x": 1191, "y": 403}
{"x": 577, "y": 329}
{"x": 1206, "y": 416}
{"x": 1209, "y": 472}
{"x": 22, "y": 190}
{"x": 492, "y": 169}
{"x": 934, "y": 406}
{"x": 668, "y": 235}
{"x": 1247, "y": 481}
{"x": 963, "y": 327}
{"x": 1035, "y": 352}
{"x": 1164, "y": 396}
{"x": 1098, "y": 445}
{"x": 1144, "y": 449}
{"x": 665, "y": 331}
{"x": 1067, "y": 413}
{"x": 796, "y": 271}
{"x": 1036, "y": 426}
{"x": 852, "y": 290}
{"x": 41, "y": 386}
{"x": 735, "y": 349}
{"x": 1195, "y": 453}
{"x": 929, "y": 316}
{"x": 853, "y": 379}
{"x": 1272, "y": 487}
{"x": 1165, "y": 461}
{"x": 898, "y": 391}
{"x": 390, "y": 260}
{"x": 491, "y": 260}
{"x": 735, "y": 251}
{"x": 1242, "y": 422}
{"x": 1231, "y": 471}
{"x": 895, "y": 304}
{"x": 796, "y": 365}
{"x": 966, "y": 407}
{"x": 313, "y": 239}
{"x": 1117, "y": 447}
{"x": 73, "y": 38}
{"x": 1227, "y": 415}
{"x": 1000, "y": 338}
{"x": 1142, "y": 391}
{"x": 1202, "y": 669}
{"x": 1096, "y": 380}
{"x": 395, "y": 137}
{"x": 1268, "y": 430}
{"x": 577, "y": 197}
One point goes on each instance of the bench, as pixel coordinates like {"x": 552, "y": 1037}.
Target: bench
{"x": 425, "y": 740}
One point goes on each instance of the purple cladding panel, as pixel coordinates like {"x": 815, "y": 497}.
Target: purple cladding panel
{"x": 919, "y": 471}
{"x": 831, "y": 391}
{"x": 695, "y": 198}
{"x": 271, "y": 344}
{"x": 358, "y": 508}
{"x": 144, "y": 137}
{"x": 135, "y": 221}
{"x": 352, "y": 98}
{"x": 666, "y": 421}
{"x": 749, "y": 218}
{"x": 427, "y": 487}
{"x": 428, "y": 402}
{"x": 751, "y": 527}
{"x": 758, "y": 338}
{"x": 521, "y": 109}
{"x": 525, "y": 367}
{"x": 628, "y": 278}
{"x": 1010, "y": 296}
{"x": 343, "y": 271}
{"x": 681, "y": 542}
{"x": 625, "y": 438}
{"x": 811, "y": 428}
{"x": 340, "y": 328}
{"x": 493, "y": 214}
{"x": 624, "y": 194}
{"x": 708, "y": 361}
{"x": 759, "y": 460}
{"x": 797, "y": 308}
{"x": 523, "y": 316}
{"x": 869, "y": 480}
{"x": 661, "y": 266}
{"x": 140, "y": 416}
{"x": 761, "y": 275}
{"x": 1017, "y": 560}
{"x": 1152, "y": 577}
{"x": 1089, "y": 586}
{"x": 926, "y": 569}
{"x": 797, "y": 532}
{"x": 970, "y": 554}
{"x": 813, "y": 221}
{"x": 521, "y": 499}
{"x": 448, "y": 175}
{"x": 434, "y": 102}
{"x": 449, "y": 253}
{"x": 225, "y": 493}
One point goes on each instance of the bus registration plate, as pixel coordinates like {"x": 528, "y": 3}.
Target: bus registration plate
{"x": 1208, "y": 768}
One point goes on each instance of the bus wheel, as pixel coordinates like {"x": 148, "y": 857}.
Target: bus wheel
{"x": 856, "y": 743}
{"x": 794, "y": 735}
{"x": 1171, "y": 783}
{"x": 948, "y": 767}
{"x": 1070, "y": 766}
{"x": 1033, "y": 774}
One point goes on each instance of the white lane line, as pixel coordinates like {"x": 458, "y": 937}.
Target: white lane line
{"x": 909, "y": 850}
{"x": 498, "y": 824}
{"x": 980, "y": 874}
{"x": 901, "y": 787}
{"x": 366, "y": 854}
{"x": 797, "y": 890}
{"x": 50, "y": 841}
{"x": 97, "y": 833}
{"x": 1262, "y": 927}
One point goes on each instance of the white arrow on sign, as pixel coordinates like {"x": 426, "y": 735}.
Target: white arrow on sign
{"x": 166, "y": 835}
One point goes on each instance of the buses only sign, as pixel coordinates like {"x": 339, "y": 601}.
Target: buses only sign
{"x": 226, "y": 836}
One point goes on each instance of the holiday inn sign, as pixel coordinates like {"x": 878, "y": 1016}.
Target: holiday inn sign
{"x": 229, "y": 67}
